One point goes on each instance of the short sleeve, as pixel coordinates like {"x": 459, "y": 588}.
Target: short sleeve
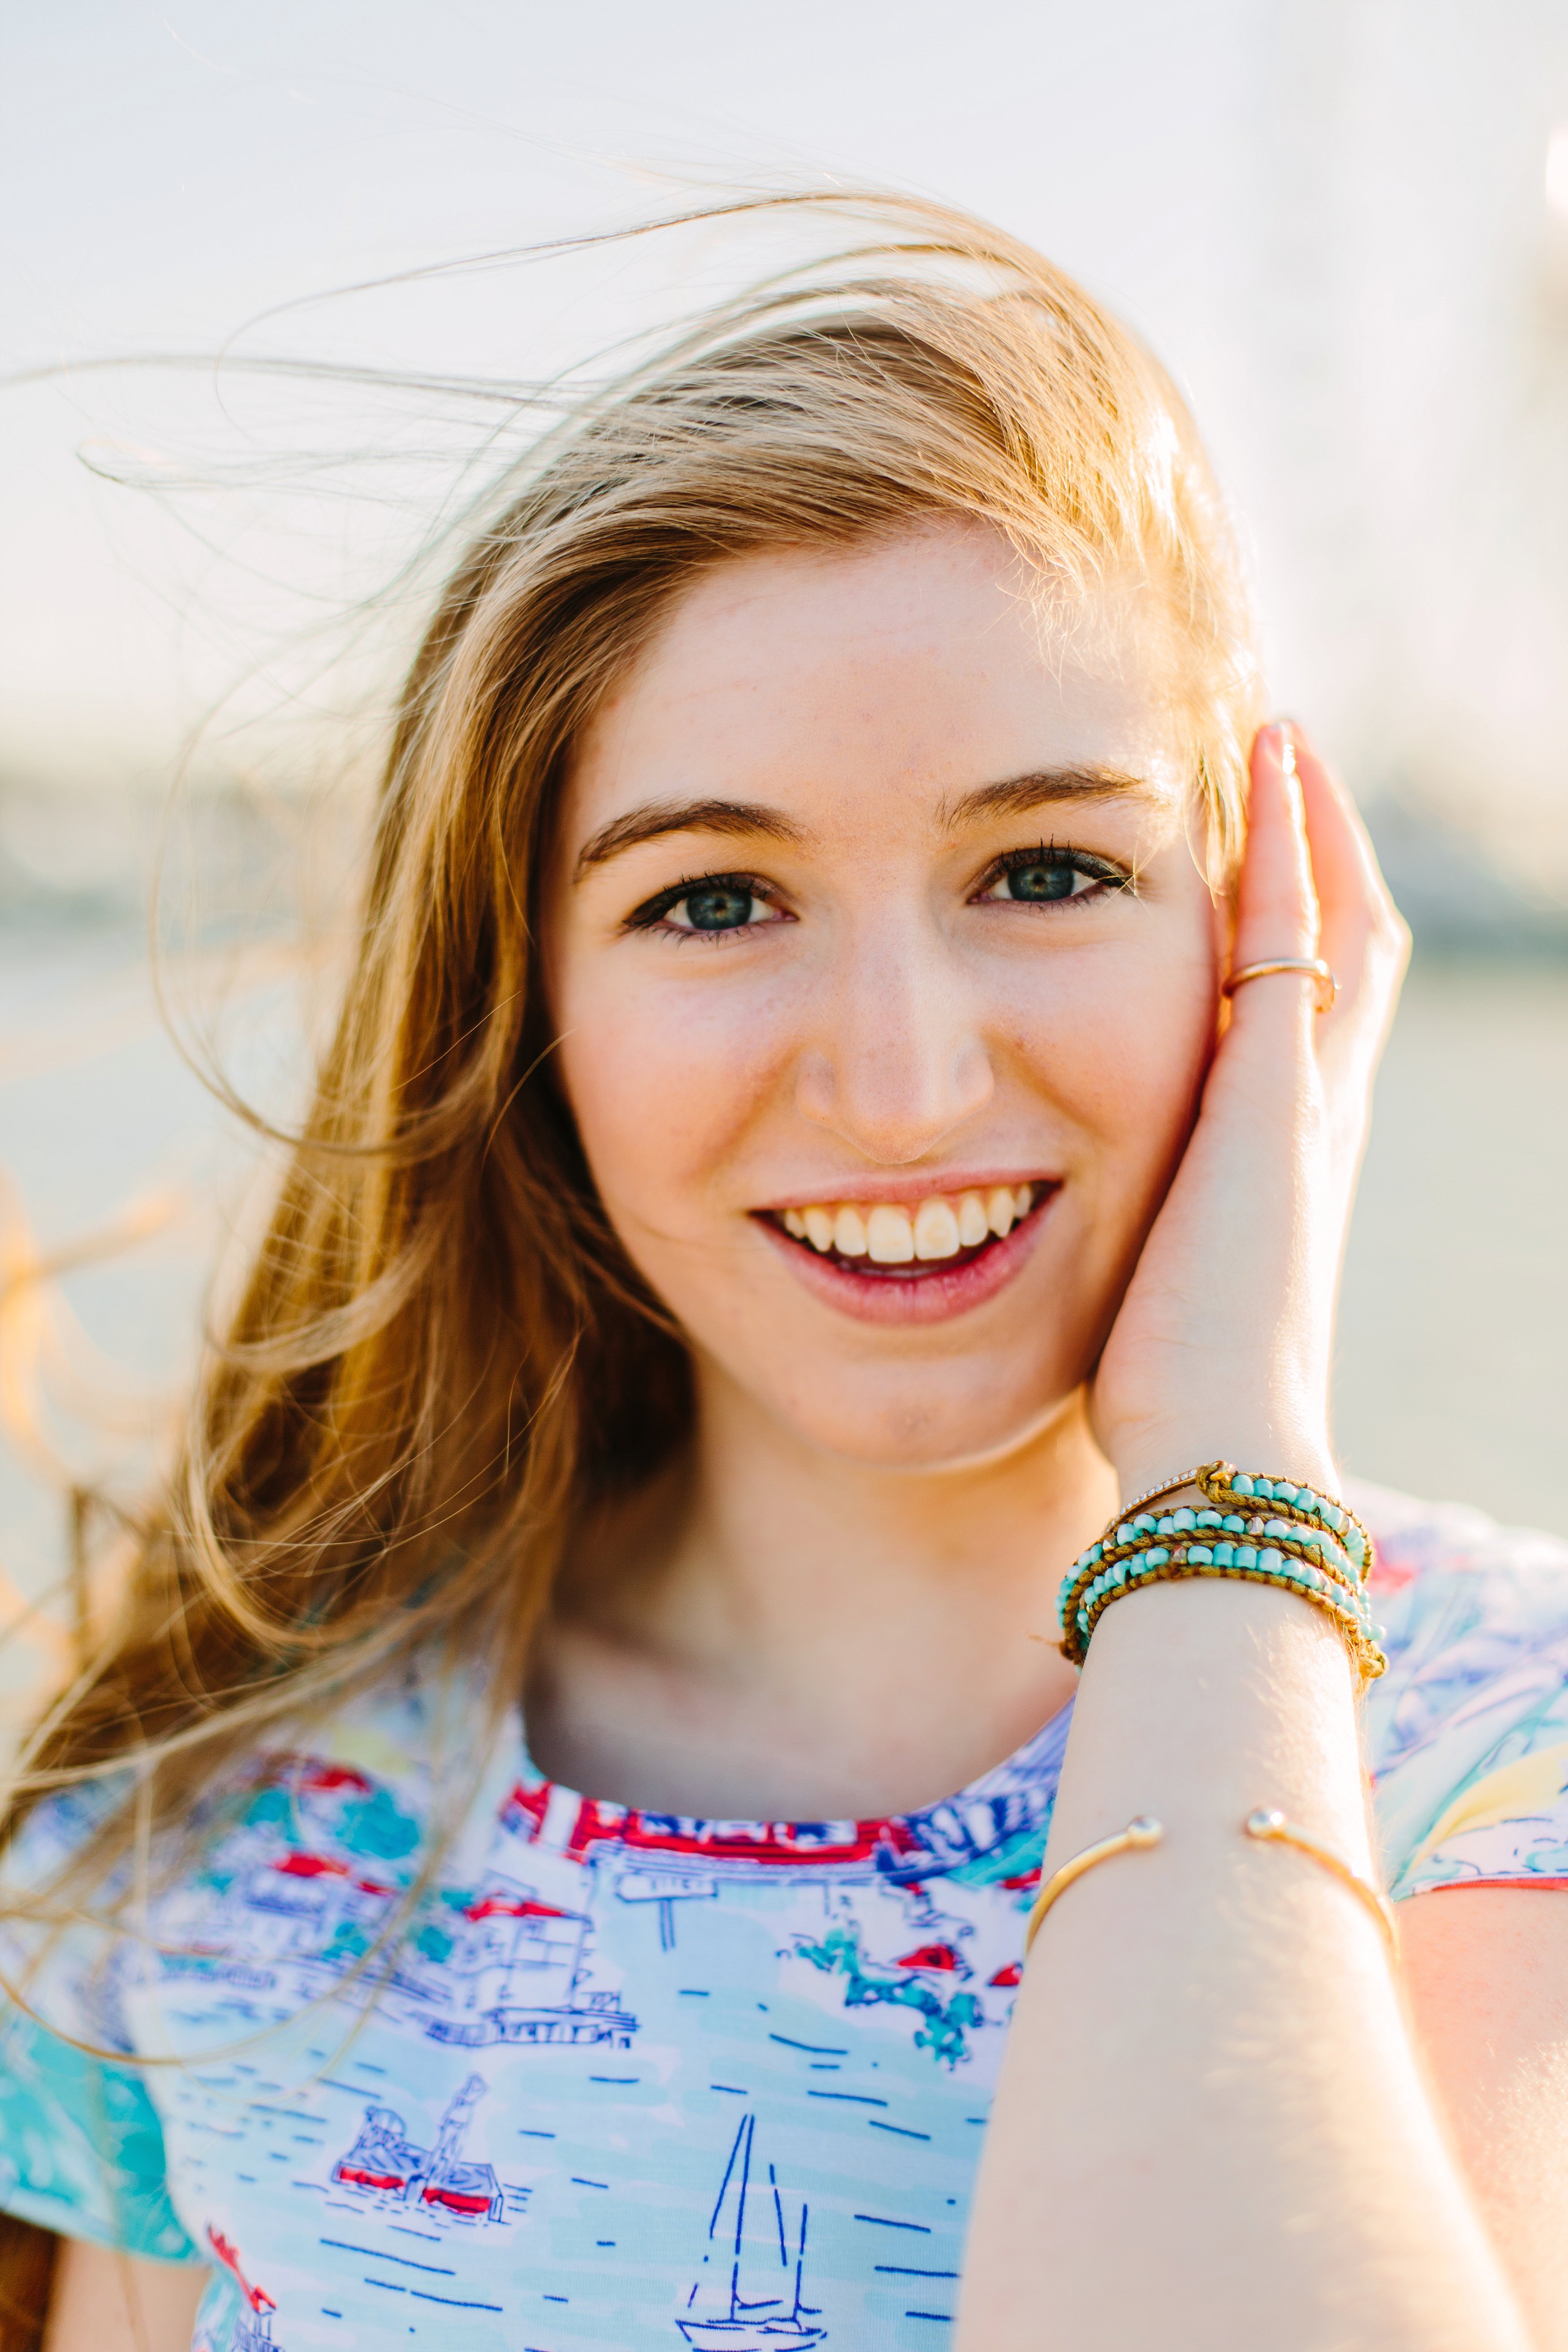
{"x": 1467, "y": 1731}
{"x": 81, "y": 2147}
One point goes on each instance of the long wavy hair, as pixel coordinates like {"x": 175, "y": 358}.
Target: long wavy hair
{"x": 441, "y": 1358}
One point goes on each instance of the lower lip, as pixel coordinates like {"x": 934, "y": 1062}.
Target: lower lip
{"x": 932, "y": 1295}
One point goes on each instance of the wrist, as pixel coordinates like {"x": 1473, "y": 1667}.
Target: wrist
{"x": 1203, "y": 1698}
{"x": 1256, "y": 1527}
{"x": 1149, "y": 1457}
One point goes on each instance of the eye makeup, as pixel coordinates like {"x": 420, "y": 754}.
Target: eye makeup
{"x": 719, "y": 905}
{"x": 1048, "y": 875}
{"x": 715, "y": 906}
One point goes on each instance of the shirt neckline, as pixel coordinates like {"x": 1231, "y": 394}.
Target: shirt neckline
{"x": 1015, "y": 1791}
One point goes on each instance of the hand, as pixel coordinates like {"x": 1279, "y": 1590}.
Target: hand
{"x": 1223, "y": 1343}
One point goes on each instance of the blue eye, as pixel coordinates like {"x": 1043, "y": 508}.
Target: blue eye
{"x": 1041, "y": 882}
{"x": 711, "y": 907}
{"x": 719, "y": 907}
{"x": 1050, "y": 874}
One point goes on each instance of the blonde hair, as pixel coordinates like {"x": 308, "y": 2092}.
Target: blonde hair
{"x": 441, "y": 1355}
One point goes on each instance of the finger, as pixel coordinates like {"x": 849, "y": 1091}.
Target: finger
{"x": 1344, "y": 861}
{"x": 1271, "y": 1016}
{"x": 1340, "y": 872}
{"x": 1277, "y": 904}
{"x": 1357, "y": 910}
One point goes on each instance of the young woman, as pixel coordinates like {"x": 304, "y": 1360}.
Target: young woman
{"x": 854, "y": 1074}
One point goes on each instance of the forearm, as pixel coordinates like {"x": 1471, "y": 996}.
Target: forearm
{"x": 1211, "y": 2129}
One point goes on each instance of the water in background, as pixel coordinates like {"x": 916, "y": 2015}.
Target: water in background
{"x": 1453, "y": 1353}
{"x": 1453, "y": 1368}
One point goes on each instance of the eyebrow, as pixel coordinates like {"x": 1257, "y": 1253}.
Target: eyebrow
{"x": 1015, "y": 796}
{"x": 657, "y": 817}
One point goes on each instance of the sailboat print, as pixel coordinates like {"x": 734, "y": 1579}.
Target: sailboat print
{"x": 757, "y": 2307}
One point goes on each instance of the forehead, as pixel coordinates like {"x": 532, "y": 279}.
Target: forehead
{"x": 919, "y": 669}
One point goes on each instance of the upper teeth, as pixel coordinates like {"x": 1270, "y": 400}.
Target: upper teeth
{"x": 892, "y": 1236}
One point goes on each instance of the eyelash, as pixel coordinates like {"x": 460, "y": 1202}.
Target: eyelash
{"x": 651, "y": 915}
{"x": 1099, "y": 870}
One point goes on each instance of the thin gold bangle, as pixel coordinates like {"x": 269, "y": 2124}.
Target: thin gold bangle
{"x": 1141, "y": 1832}
{"x": 1170, "y": 1486}
{"x": 1272, "y": 1828}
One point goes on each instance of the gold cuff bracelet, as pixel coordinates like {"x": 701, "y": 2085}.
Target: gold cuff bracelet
{"x": 1272, "y": 1828}
{"x": 1144, "y": 1830}
{"x": 1266, "y": 1824}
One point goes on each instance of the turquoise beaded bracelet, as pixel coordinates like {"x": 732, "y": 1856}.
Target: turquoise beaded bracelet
{"x": 1257, "y": 1529}
{"x": 1306, "y": 1525}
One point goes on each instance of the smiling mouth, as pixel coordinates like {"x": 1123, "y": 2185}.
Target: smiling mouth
{"x": 938, "y": 1235}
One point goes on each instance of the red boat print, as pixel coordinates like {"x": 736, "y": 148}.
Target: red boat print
{"x": 255, "y": 2330}
{"x": 384, "y": 2159}
{"x": 940, "y": 1958}
{"x": 512, "y": 1907}
{"x": 321, "y": 1865}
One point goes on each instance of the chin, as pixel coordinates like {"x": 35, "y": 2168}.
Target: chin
{"x": 959, "y": 1419}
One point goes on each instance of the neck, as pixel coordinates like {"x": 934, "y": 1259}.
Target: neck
{"x": 789, "y": 1557}
{"x": 775, "y": 1633}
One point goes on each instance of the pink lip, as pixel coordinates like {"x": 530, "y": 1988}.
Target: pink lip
{"x": 929, "y": 1296}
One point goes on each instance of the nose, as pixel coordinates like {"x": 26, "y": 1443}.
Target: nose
{"x": 895, "y": 1062}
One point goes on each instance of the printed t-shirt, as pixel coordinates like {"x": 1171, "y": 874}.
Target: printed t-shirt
{"x": 630, "y": 2081}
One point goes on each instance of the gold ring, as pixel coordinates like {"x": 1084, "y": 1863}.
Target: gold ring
{"x": 1316, "y": 970}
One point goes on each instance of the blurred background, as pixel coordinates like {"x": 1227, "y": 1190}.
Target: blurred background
{"x": 1344, "y": 223}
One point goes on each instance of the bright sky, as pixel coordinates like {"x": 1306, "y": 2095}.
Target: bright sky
{"x": 1331, "y": 217}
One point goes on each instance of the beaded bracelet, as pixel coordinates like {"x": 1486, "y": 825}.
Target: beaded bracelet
{"x": 1329, "y": 1537}
{"x": 1248, "y": 1563}
{"x": 1301, "y": 1541}
{"x": 1209, "y": 1545}
{"x": 1329, "y": 1533}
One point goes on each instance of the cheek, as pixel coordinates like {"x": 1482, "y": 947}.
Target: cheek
{"x": 664, "y": 1081}
{"x": 1123, "y": 1050}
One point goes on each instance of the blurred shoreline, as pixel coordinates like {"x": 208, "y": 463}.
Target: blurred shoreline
{"x": 117, "y": 1163}
{"x": 86, "y": 855}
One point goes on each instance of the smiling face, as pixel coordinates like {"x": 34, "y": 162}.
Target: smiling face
{"x": 884, "y": 980}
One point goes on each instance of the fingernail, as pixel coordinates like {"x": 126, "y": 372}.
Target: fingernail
{"x": 1286, "y": 734}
